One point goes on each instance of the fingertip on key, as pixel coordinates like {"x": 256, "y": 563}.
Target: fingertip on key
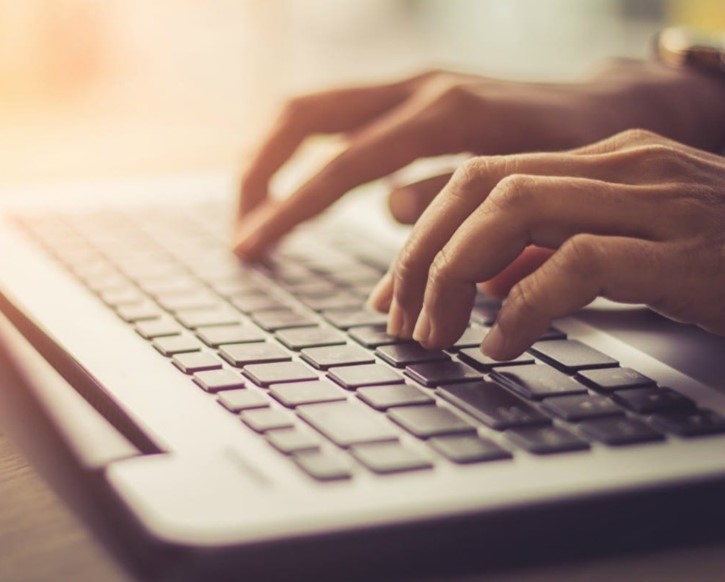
{"x": 395, "y": 319}
{"x": 494, "y": 344}
{"x": 381, "y": 296}
{"x": 422, "y": 329}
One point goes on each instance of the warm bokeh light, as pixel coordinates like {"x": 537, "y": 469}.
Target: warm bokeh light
{"x": 91, "y": 89}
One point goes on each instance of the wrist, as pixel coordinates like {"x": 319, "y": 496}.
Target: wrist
{"x": 682, "y": 104}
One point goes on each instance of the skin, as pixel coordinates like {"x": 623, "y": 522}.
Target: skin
{"x": 635, "y": 218}
{"x": 550, "y": 229}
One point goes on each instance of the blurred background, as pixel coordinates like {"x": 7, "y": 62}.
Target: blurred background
{"x": 92, "y": 89}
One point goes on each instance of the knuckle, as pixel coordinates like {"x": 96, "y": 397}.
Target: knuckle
{"x": 663, "y": 159}
{"x": 446, "y": 91}
{"x": 441, "y": 270}
{"x": 295, "y": 108}
{"x": 522, "y": 297}
{"x": 466, "y": 176}
{"x": 580, "y": 256}
{"x": 427, "y": 75}
{"x": 512, "y": 192}
{"x": 408, "y": 266}
{"x": 662, "y": 151}
{"x": 638, "y": 136}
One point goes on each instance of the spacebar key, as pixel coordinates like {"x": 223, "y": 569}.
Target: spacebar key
{"x": 347, "y": 424}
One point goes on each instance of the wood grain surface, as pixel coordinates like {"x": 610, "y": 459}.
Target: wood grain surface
{"x": 40, "y": 539}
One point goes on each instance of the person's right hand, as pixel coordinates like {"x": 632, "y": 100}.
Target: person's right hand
{"x": 388, "y": 126}
{"x": 635, "y": 218}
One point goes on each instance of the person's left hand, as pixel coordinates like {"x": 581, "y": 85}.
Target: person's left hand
{"x": 635, "y": 218}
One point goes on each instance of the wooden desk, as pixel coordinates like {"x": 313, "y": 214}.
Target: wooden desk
{"x": 40, "y": 539}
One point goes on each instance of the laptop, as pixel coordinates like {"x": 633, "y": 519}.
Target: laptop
{"x": 256, "y": 418}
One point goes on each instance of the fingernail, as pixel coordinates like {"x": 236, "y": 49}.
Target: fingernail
{"x": 422, "y": 328}
{"x": 395, "y": 319}
{"x": 380, "y": 296}
{"x": 493, "y": 344}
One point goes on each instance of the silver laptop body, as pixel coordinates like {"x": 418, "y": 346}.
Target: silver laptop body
{"x": 210, "y": 485}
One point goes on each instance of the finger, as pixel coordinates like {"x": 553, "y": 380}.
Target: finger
{"x": 525, "y": 210}
{"x": 407, "y": 203}
{"x": 395, "y": 140}
{"x": 526, "y": 263}
{"x": 469, "y": 186}
{"x": 335, "y": 111}
{"x": 585, "y": 267}
{"x": 632, "y": 141}
{"x": 382, "y": 295}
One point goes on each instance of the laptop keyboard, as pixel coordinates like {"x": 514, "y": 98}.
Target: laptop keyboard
{"x": 288, "y": 347}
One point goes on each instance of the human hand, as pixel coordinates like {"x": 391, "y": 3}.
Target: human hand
{"x": 389, "y": 126}
{"x": 635, "y": 218}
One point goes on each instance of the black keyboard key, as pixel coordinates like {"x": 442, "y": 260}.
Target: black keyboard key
{"x": 157, "y": 328}
{"x": 546, "y": 440}
{"x": 293, "y": 440}
{"x": 257, "y": 353}
{"x": 216, "y": 336}
{"x": 484, "y": 314}
{"x": 322, "y": 465}
{"x": 430, "y": 421}
{"x": 266, "y": 419}
{"x": 238, "y": 400}
{"x": 652, "y": 399}
{"x": 537, "y": 381}
{"x": 609, "y": 379}
{"x": 352, "y": 377}
{"x": 464, "y": 449}
{"x": 207, "y": 317}
{"x": 176, "y": 344}
{"x": 139, "y": 312}
{"x": 373, "y": 336}
{"x": 384, "y": 397}
{"x": 387, "y": 458}
{"x": 216, "y": 380}
{"x": 345, "y": 355}
{"x": 581, "y": 406}
{"x": 346, "y": 424}
{"x": 437, "y": 373}
{"x": 254, "y": 303}
{"x": 476, "y": 358}
{"x": 282, "y": 319}
{"x": 619, "y": 431}
{"x": 552, "y": 334}
{"x": 278, "y": 372}
{"x": 405, "y": 354}
{"x": 301, "y": 393}
{"x": 471, "y": 338}
{"x": 347, "y": 318}
{"x": 493, "y": 405}
{"x": 196, "y": 362}
{"x": 690, "y": 423}
{"x": 309, "y": 337}
{"x": 571, "y": 355}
